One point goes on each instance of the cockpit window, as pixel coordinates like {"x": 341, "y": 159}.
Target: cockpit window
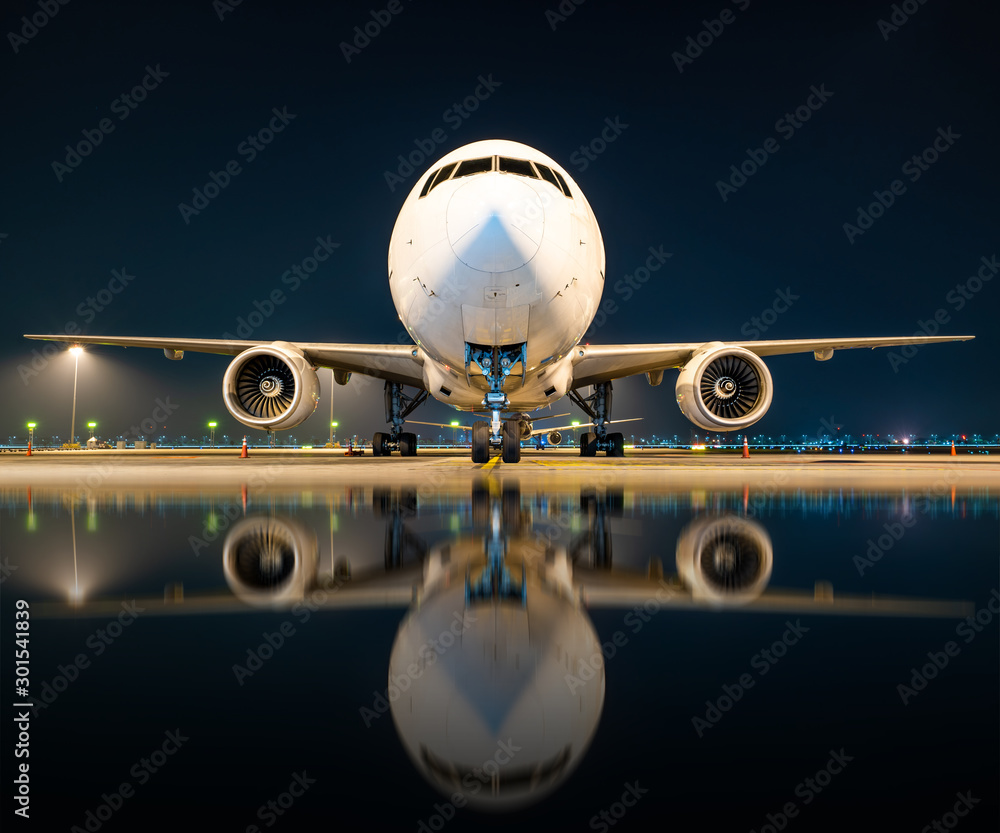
{"x": 504, "y": 164}
{"x": 474, "y": 166}
{"x": 516, "y": 166}
{"x": 441, "y": 176}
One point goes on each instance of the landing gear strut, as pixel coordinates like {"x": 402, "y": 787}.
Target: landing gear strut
{"x": 495, "y": 363}
{"x": 398, "y": 406}
{"x": 598, "y": 407}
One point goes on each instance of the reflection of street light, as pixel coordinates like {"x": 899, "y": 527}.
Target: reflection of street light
{"x": 454, "y": 432}
{"x": 76, "y": 350}
{"x": 212, "y": 426}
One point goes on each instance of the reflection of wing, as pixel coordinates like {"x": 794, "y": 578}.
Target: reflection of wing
{"x": 395, "y": 589}
{"x": 601, "y": 589}
{"x": 604, "y": 362}
{"x": 395, "y": 362}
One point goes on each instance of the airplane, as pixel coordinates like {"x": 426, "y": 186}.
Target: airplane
{"x": 496, "y": 269}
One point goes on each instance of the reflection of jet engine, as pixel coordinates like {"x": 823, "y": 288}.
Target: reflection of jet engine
{"x": 555, "y": 438}
{"x": 272, "y": 386}
{"x": 269, "y": 561}
{"x": 725, "y": 560}
{"x": 495, "y": 700}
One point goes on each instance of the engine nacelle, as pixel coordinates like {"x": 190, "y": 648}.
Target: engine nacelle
{"x": 724, "y": 388}
{"x": 271, "y": 387}
{"x": 725, "y": 561}
{"x": 555, "y": 438}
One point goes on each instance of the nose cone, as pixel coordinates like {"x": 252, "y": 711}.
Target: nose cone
{"x": 495, "y": 222}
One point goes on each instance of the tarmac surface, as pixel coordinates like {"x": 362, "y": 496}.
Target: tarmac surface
{"x": 193, "y": 470}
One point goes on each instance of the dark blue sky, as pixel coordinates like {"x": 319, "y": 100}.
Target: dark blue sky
{"x": 884, "y": 96}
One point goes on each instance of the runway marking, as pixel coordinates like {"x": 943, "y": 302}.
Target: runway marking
{"x": 491, "y": 464}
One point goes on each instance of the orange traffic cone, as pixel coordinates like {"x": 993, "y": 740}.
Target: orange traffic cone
{"x": 953, "y": 449}
{"x": 243, "y": 453}
{"x": 746, "y": 449}
{"x": 29, "y": 448}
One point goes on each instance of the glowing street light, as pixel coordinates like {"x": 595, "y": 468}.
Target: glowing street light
{"x": 212, "y": 426}
{"x": 576, "y": 424}
{"x": 333, "y": 430}
{"x": 31, "y": 434}
{"x": 454, "y": 432}
{"x": 92, "y": 426}
{"x": 76, "y": 350}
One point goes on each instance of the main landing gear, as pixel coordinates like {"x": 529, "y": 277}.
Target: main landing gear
{"x": 598, "y": 407}
{"x": 398, "y": 406}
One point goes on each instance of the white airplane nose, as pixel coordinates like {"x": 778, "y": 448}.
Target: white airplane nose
{"x": 495, "y": 222}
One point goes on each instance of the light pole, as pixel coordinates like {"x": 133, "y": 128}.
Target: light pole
{"x": 92, "y": 426}
{"x": 31, "y": 434}
{"x": 333, "y": 431}
{"x": 575, "y": 424}
{"x": 454, "y": 432}
{"x": 76, "y": 350}
{"x": 212, "y": 425}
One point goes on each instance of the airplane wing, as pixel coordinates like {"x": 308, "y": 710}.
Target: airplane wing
{"x": 393, "y": 362}
{"x": 594, "y": 363}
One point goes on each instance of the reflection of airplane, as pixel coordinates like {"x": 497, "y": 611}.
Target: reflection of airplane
{"x": 497, "y": 646}
{"x": 496, "y": 268}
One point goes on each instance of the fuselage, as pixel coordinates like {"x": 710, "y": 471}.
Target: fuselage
{"x": 496, "y": 246}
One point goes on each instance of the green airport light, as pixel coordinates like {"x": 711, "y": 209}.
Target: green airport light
{"x": 32, "y": 425}
{"x": 91, "y": 424}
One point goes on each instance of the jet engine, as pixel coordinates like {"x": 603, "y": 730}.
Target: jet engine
{"x": 724, "y": 560}
{"x": 724, "y": 388}
{"x": 272, "y": 387}
{"x": 555, "y": 438}
{"x": 270, "y": 562}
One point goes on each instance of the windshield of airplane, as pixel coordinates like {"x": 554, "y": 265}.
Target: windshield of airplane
{"x": 503, "y": 164}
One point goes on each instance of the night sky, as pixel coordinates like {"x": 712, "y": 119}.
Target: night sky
{"x": 880, "y": 95}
